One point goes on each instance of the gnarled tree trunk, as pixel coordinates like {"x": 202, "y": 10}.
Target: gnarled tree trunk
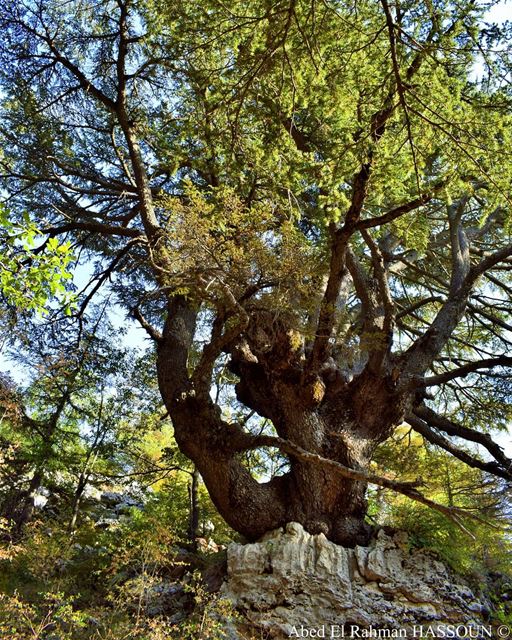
{"x": 341, "y": 420}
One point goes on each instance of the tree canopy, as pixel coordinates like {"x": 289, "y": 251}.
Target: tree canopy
{"x": 306, "y": 205}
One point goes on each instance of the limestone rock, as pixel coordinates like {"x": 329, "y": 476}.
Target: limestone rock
{"x": 158, "y": 597}
{"x": 292, "y": 578}
{"x": 111, "y": 498}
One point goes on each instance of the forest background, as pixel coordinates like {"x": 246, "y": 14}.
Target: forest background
{"x": 171, "y": 135}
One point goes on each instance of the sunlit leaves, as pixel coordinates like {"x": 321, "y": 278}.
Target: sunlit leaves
{"x": 33, "y": 272}
{"x": 222, "y": 248}
{"x": 451, "y": 483}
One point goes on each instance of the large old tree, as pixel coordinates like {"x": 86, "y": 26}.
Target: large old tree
{"x": 304, "y": 202}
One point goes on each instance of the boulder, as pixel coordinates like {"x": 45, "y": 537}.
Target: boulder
{"x": 116, "y": 504}
{"x": 208, "y": 546}
{"x": 157, "y": 597}
{"x": 127, "y": 505}
{"x": 92, "y": 493}
{"x": 108, "y": 521}
{"x": 292, "y": 580}
{"x": 111, "y": 498}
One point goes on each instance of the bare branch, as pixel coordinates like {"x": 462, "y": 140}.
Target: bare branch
{"x": 471, "y": 367}
{"x": 452, "y": 429}
{"x": 153, "y": 333}
{"x": 429, "y": 434}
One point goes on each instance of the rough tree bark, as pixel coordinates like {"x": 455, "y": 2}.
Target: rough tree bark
{"x": 343, "y": 420}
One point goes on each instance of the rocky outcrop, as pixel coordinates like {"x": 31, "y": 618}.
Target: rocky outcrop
{"x": 292, "y": 580}
{"x": 113, "y": 508}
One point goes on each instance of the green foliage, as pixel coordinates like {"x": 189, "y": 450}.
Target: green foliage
{"x": 221, "y": 247}
{"x": 32, "y": 277}
{"x": 502, "y": 601}
{"x": 98, "y": 584}
{"x": 53, "y": 617}
{"x": 211, "y": 616}
{"x": 256, "y": 74}
{"x": 157, "y": 458}
{"x": 486, "y": 546}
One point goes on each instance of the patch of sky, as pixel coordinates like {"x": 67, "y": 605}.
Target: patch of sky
{"x": 499, "y": 14}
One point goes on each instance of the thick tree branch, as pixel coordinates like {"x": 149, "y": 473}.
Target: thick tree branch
{"x": 459, "y": 246}
{"x": 488, "y": 263}
{"x": 301, "y": 140}
{"x": 222, "y": 336}
{"x": 470, "y": 367}
{"x": 94, "y": 227}
{"x": 327, "y": 314}
{"x": 408, "y": 489}
{"x": 339, "y": 240}
{"x": 361, "y": 284}
{"x": 429, "y": 434}
{"x": 452, "y": 429}
{"x": 423, "y": 351}
{"x": 153, "y": 333}
{"x": 87, "y": 85}
{"x": 399, "y": 211}
{"x": 382, "y": 279}
{"x": 173, "y": 349}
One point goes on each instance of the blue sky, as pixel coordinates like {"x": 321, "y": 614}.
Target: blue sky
{"x": 501, "y": 12}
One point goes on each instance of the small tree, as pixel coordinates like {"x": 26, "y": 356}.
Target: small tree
{"x": 59, "y": 430}
{"x": 314, "y": 194}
